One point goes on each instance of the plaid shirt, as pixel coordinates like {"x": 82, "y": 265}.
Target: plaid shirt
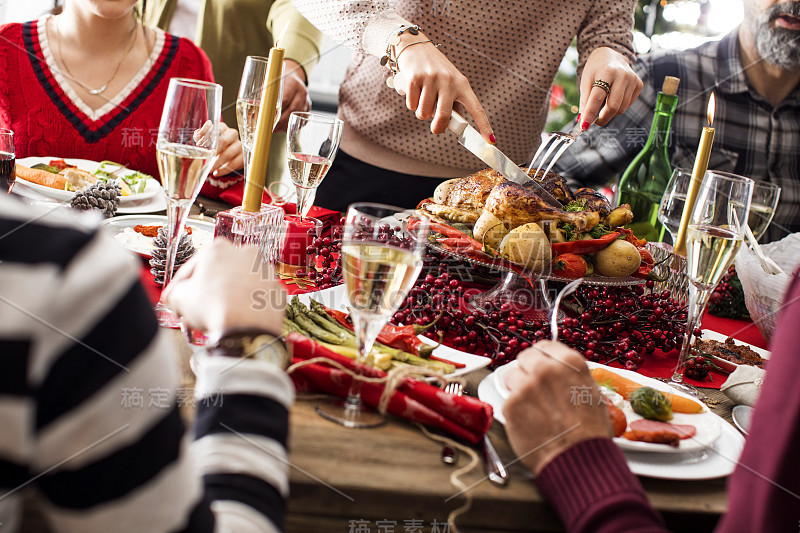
{"x": 752, "y": 138}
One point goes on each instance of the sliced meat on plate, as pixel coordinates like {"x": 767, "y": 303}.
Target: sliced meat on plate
{"x": 659, "y": 432}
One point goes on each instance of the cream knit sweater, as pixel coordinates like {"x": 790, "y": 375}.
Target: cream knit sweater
{"x": 508, "y": 50}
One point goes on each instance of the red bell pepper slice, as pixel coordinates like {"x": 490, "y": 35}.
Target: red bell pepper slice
{"x": 399, "y": 337}
{"x": 586, "y": 246}
{"x": 631, "y": 238}
{"x": 647, "y": 264}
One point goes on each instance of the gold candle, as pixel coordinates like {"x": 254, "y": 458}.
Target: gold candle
{"x": 699, "y": 170}
{"x": 254, "y": 188}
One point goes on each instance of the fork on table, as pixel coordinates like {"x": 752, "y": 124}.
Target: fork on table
{"x": 494, "y": 466}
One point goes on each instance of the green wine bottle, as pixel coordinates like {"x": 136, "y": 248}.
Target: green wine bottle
{"x": 643, "y": 183}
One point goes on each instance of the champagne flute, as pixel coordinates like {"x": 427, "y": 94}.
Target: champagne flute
{"x": 382, "y": 252}
{"x": 188, "y": 137}
{"x": 671, "y": 207}
{"x": 248, "y": 102}
{"x": 762, "y": 208}
{"x": 311, "y": 143}
{"x": 713, "y": 238}
{"x": 7, "y": 160}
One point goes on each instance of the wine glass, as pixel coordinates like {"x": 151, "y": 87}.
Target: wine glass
{"x": 671, "y": 207}
{"x": 762, "y": 208}
{"x": 381, "y": 256}
{"x": 713, "y": 238}
{"x": 7, "y": 160}
{"x": 249, "y": 101}
{"x": 311, "y": 143}
{"x": 188, "y": 137}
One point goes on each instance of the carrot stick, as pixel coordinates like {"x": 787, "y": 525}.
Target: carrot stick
{"x": 624, "y": 387}
{"x": 41, "y": 177}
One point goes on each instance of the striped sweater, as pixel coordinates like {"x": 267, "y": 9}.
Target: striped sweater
{"x": 78, "y": 335}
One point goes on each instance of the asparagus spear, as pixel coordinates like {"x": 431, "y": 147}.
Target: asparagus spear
{"x": 312, "y": 319}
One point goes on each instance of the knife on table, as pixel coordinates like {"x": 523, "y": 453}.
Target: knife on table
{"x": 469, "y": 138}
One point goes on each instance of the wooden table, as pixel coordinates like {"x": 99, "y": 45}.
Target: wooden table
{"x": 391, "y": 480}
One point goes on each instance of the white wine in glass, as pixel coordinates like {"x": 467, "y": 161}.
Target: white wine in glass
{"x": 713, "y": 238}
{"x": 183, "y": 168}
{"x": 188, "y": 138}
{"x": 311, "y": 144}
{"x": 248, "y": 103}
{"x": 381, "y": 259}
{"x": 378, "y": 278}
{"x": 762, "y": 208}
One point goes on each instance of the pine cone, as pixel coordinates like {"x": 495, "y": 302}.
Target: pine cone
{"x": 101, "y": 196}
{"x": 159, "y": 254}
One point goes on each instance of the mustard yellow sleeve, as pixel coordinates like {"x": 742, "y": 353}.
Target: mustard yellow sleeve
{"x": 301, "y": 39}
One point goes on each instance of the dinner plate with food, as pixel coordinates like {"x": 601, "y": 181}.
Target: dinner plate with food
{"x": 395, "y": 344}
{"x": 60, "y": 179}
{"x": 728, "y": 353}
{"x": 689, "y": 445}
{"x": 487, "y": 219}
{"x": 136, "y": 232}
{"x": 656, "y": 417}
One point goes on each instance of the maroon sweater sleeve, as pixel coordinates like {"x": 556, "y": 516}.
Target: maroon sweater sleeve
{"x": 592, "y": 489}
{"x": 764, "y": 490}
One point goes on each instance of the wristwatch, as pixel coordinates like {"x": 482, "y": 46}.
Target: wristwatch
{"x": 251, "y": 344}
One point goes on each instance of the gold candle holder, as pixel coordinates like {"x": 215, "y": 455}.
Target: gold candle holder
{"x": 698, "y": 171}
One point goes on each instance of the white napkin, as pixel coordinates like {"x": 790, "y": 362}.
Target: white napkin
{"x": 744, "y": 385}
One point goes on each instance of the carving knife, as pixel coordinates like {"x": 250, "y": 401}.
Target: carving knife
{"x": 469, "y": 138}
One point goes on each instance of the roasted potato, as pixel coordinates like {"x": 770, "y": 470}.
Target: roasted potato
{"x": 619, "y": 216}
{"x": 617, "y": 260}
{"x": 527, "y": 245}
{"x": 489, "y": 229}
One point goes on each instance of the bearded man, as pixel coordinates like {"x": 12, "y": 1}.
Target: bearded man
{"x": 754, "y": 73}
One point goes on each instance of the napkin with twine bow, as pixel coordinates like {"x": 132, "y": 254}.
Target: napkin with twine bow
{"x": 461, "y": 416}
{"x": 744, "y": 385}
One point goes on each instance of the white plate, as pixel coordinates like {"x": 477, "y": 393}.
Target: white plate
{"x": 151, "y": 189}
{"x": 118, "y": 225}
{"x": 724, "y": 364}
{"x": 742, "y": 416}
{"x": 715, "y": 462}
{"x": 709, "y": 425}
{"x": 155, "y": 204}
{"x": 336, "y": 298}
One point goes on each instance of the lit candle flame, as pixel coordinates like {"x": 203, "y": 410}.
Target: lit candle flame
{"x": 710, "y": 110}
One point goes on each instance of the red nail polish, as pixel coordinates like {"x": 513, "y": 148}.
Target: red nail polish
{"x": 585, "y": 126}
{"x": 578, "y": 120}
{"x": 492, "y": 139}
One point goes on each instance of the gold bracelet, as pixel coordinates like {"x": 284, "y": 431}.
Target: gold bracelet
{"x": 389, "y": 60}
{"x": 393, "y": 41}
{"x": 397, "y": 57}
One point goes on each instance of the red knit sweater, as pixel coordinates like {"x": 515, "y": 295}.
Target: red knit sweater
{"x": 47, "y": 121}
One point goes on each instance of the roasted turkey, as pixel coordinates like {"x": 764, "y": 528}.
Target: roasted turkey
{"x": 516, "y": 204}
{"x": 466, "y": 199}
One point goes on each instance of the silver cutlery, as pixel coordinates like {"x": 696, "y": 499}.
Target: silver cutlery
{"x": 494, "y": 466}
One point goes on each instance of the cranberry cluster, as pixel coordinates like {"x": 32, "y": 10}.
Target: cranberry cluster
{"x": 727, "y": 300}
{"x": 697, "y": 367}
{"x": 621, "y": 324}
{"x": 325, "y": 251}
